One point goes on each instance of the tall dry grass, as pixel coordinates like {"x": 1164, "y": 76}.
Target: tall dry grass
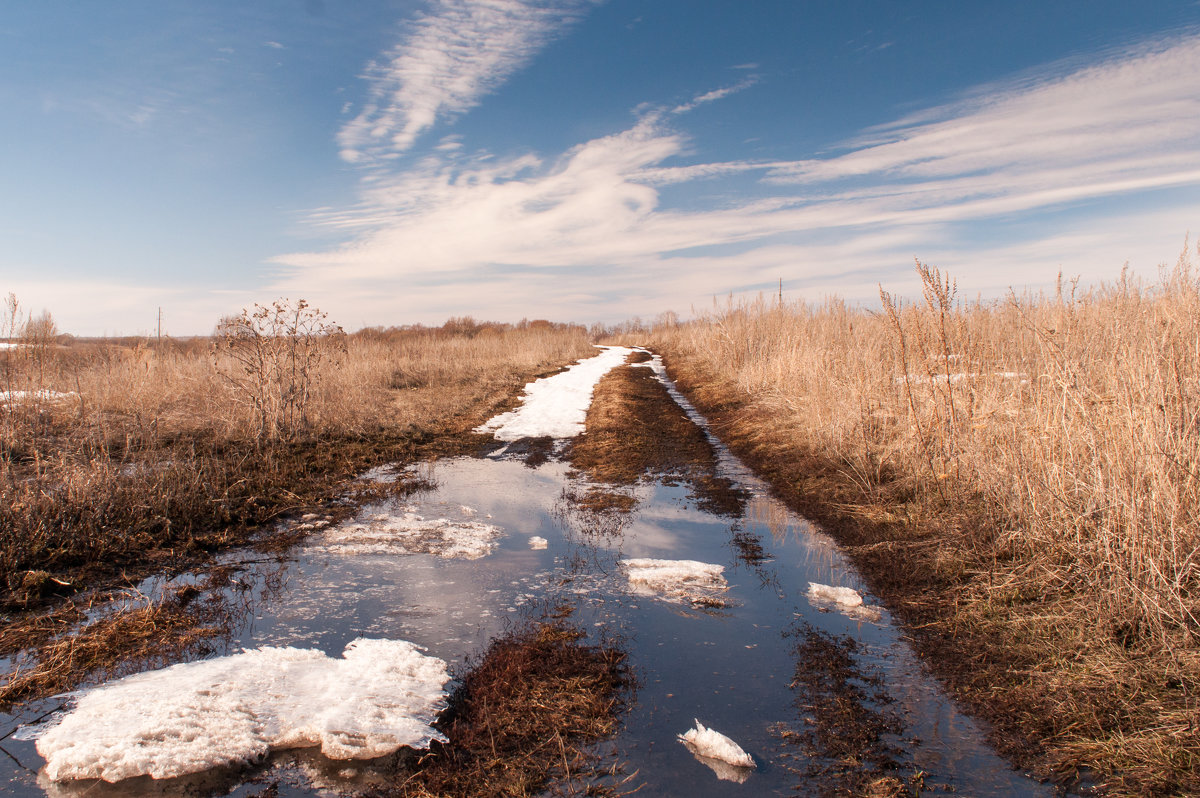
{"x": 1021, "y": 476}
{"x": 110, "y": 450}
{"x": 1072, "y": 418}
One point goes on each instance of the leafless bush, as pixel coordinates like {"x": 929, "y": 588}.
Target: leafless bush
{"x": 277, "y": 352}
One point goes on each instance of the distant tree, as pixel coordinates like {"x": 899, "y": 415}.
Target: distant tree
{"x": 40, "y": 329}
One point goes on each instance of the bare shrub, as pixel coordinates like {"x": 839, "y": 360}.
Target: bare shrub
{"x": 277, "y": 352}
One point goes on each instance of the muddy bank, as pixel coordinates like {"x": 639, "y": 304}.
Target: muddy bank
{"x": 1062, "y": 696}
{"x": 637, "y": 432}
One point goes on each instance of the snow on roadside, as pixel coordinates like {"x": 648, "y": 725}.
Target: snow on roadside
{"x": 11, "y": 397}
{"x": 406, "y": 532}
{"x": 697, "y": 583}
{"x": 557, "y": 405}
{"x": 380, "y": 696}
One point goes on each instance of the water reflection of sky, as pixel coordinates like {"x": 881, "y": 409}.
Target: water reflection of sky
{"x": 730, "y": 667}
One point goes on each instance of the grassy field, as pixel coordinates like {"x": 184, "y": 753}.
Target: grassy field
{"x": 119, "y": 455}
{"x": 1020, "y": 479}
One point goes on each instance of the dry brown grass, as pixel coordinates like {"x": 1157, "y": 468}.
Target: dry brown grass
{"x": 151, "y": 635}
{"x": 153, "y": 452}
{"x": 1021, "y": 476}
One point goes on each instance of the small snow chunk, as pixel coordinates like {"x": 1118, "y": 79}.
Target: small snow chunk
{"x": 536, "y": 542}
{"x": 409, "y": 533}
{"x": 699, "y": 583}
{"x": 846, "y": 596}
{"x": 710, "y": 744}
{"x": 845, "y": 600}
{"x": 557, "y": 405}
{"x": 380, "y": 696}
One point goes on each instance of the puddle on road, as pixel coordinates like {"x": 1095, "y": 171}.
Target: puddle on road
{"x": 729, "y": 665}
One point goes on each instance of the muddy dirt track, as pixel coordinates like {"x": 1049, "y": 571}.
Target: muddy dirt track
{"x": 542, "y": 551}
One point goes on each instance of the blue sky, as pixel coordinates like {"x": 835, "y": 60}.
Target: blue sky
{"x": 396, "y": 162}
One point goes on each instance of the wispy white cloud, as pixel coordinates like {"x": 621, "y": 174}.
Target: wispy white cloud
{"x": 589, "y": 235}
{"x": 448, "y": 59}
{"x": 713, "y": 96}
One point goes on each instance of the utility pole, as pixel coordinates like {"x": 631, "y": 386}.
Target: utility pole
{"x": 160, "y": 324}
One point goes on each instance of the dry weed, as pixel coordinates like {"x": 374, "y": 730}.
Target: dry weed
{"x": 1019, "y": 476}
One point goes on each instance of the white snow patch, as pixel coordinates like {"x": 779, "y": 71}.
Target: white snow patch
{"x": 846, "y": 596}
{"x": 536, "y": 542}
{"x": 556, "y": 405}
{"x": 380, "y": 696}
{"x": 9, "y": 397}
{"x": 710, "y": 744}
{"x": 925, "y": 379}
{"x": 406, "y": 532}
{"x": 846, "y": 600}
{"x": 699, "y": 583}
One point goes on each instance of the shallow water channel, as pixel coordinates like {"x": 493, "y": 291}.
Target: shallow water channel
{"x": 731, "y": 667}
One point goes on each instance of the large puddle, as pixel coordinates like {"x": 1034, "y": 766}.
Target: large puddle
{"x": 495, "y": 541}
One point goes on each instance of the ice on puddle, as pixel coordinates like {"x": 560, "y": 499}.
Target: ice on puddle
{"x": 536, "y": 542}
{"x": 699, "y": 583}
{"x": 406, "y": 532}
{"x": 846, "y": 600}
{"x": 380, "y": 696}
{"x": 556, "y": 405}
{"x": 723, "y": 755}
{"x": 846, "y": 596}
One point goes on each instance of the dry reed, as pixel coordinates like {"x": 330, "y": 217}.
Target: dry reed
{"x": 1060, "y": 432}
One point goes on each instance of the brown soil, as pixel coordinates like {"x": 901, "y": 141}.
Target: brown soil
{"x": 635, "y": 430}
{"x": 526, "y": 716}
{"x": 999, "y": 655}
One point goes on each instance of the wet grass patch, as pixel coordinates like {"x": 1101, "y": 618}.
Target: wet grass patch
{"x": 846, "y": 743}
{"x": 527, "y": 717}
{"x": 185, "y": 623}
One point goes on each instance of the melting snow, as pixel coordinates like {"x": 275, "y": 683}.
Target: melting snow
{"x": 846, "y": 596}
{"x": 9, "y": 397}
{"x": 406, "y": 532}
{"x": 556, "y": 405}
{"x": 715, "y": 749}
{"x": 925, "y": 379}
{"x": 844, "y": 599}
{"x": 382, "y": 695}
{"x": 537, "y": 542}
{"x": 678, "y": 580}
